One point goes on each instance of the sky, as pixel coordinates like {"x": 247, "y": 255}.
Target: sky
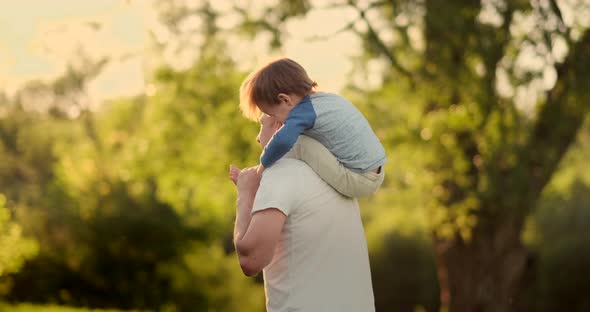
{"x": 39, "y": 37}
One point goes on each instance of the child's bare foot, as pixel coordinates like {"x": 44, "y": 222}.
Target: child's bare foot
{"x": 234, "y": 172}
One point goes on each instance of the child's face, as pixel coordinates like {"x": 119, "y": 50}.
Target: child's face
{"x": 281, "y": 110}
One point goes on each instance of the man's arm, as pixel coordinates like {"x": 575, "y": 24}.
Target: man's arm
{"x": 255, "y": 237}
{"x": 301, "y": 118}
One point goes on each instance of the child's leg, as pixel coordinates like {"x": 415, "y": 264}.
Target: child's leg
{"x": 325, "y": 164}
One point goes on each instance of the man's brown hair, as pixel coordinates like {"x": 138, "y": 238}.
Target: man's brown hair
{"x": 263, "y": 86}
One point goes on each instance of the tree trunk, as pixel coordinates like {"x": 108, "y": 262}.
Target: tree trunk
{"x": 482, "y": 275}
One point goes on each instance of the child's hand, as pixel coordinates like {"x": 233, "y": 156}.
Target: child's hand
{"x": 234, "y": 172}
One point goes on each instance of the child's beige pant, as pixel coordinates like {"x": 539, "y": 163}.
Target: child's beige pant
{"x": 325, "y": 164}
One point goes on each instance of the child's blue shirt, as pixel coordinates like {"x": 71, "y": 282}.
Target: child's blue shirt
{"x": 334, "y": 122}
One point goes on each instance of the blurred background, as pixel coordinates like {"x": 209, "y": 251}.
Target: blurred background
{"x": 119, "y": 119}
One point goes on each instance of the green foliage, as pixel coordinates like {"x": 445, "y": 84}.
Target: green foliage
{"x": 14, "y": 248}
{"x": 135, "y": 207}
{"x": 404, "y": 273}
{"x": 556, "y": 233}
{"x": 217, "y": 276}
{"x": 561, "y": 254}
{"x": 192, "y": 130}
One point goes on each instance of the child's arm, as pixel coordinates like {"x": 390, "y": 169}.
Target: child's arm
{"x": 301, "y": 118}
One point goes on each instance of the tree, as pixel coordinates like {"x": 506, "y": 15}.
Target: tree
{"x": 14, "y": 248}
{"x": 454, "y": 91}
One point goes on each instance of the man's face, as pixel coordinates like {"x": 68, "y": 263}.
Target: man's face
{"x": 268, "y": 127}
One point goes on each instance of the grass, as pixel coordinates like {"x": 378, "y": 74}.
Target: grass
{"x": 27, "y": 307}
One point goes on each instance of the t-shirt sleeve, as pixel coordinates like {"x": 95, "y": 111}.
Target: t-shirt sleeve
{"x": 278, "y": 188}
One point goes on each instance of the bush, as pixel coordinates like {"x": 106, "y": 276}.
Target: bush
{"x": 557, "y": 277}
{"x": 404, "y": 274}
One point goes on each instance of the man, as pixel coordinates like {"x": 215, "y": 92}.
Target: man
{"x": 306, "y": 237}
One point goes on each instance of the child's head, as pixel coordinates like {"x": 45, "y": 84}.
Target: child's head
{"x": 275, "y": 89}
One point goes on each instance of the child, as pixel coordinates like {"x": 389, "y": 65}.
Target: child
{"x": 346, "y": 153}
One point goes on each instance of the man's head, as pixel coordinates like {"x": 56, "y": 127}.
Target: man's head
{"x": 268, "y": 127}
{"x": 275, "y": 89}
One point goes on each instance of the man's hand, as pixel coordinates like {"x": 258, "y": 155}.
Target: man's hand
{"x": 234, "y": 172}
{"x": 248, "y": 180}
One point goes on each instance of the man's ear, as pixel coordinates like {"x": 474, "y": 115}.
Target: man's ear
{"x": 285, "y": 98}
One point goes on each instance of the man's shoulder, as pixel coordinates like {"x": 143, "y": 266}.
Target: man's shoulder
{"x": 283, "y": 186}
{"x": 285, "y": 165}
{"x": 290, "y": 171}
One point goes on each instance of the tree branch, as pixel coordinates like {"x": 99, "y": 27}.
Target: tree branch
{"x": 347, "y": 27}
{"x": 560, "y": 118}
{"x": 380, "y": 44}
{"x": 492, "y": 56}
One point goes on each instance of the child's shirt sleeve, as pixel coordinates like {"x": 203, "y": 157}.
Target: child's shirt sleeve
{"x": 301, "y": 118}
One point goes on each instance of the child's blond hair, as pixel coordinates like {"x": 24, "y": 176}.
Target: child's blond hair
{"x": 263, "y": 86}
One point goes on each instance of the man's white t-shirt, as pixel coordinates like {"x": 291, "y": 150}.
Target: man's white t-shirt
{"x": 321, "y": 262}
